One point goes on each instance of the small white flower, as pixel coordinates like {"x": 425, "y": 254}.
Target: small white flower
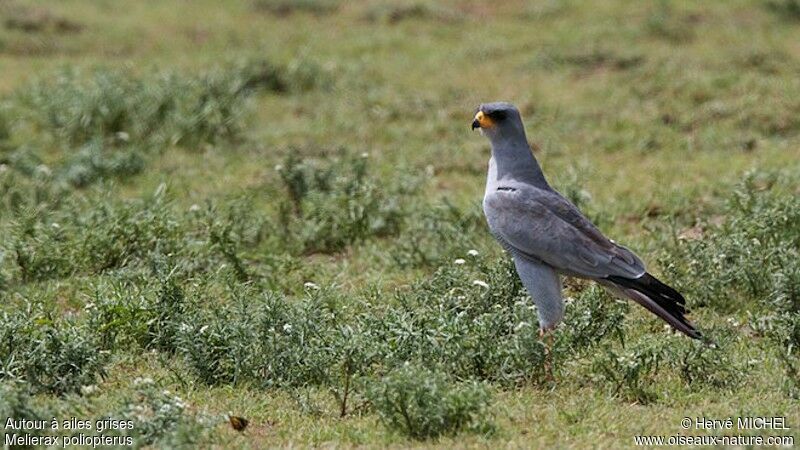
{"x": 55, "y": 225}
{"x": 139, "y": 380}
{"x": 472, "y": 252}
{"x": 480, "y": 283}
{"x": 88, "y": 389}
{"x": 43, "y": 169}
{"x": 287, "y": 328}
{"x": 89, "y": 306}
{"x": 203, "y": 329}
{"x": 185, "y": 327}
{"x": 459, "y": 261}
{"x": 365, "y": 155}
{"x": 461, "y": 297}
{"x": 3, "y": 168}
{"x": 278, "y": 167}
{"x": 194, "y": 208}
{"x": 310, "y": 285}
{"x": 521, "y": 325}
{"x": 123, "y": 136}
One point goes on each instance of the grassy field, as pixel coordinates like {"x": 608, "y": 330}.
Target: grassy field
{"x": 271, "y": 209}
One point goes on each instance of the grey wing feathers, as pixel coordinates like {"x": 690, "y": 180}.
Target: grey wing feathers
{"x": 541, "y": 225}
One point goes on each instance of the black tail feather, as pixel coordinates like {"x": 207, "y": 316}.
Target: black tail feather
{"x": 666, "y": 298}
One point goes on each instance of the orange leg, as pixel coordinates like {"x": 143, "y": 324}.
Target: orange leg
{"x": 547, "y": 337}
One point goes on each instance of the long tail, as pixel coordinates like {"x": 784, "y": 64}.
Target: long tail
{"x": 658, "y": 298}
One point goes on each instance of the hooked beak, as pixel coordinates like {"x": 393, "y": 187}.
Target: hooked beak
{"x": 482, "y": 121}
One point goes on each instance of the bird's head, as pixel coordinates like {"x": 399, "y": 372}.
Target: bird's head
{"x": 498, "y": 120}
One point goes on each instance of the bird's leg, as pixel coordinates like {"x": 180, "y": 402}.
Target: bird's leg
{"x": 547, "y": 337}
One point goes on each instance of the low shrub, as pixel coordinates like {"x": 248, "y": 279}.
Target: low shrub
{"x": 589, "y": 319}
{"x": 5, "y": 128}
{"x": 633, "y": 372}
{"x": 751, "y": 255}
{"x": 473, "y": 320}
{"x": 663, "y": 22}
{"x": 266, "y": 339}
{"x": 712, "y": 366}
{"x": 629, "y": 374}
{"x": 784, "y": 9}
{"x": 434, "y": 233}
{"x": 93, "y": 163}
{"x": 161, "y": 418}
{"x": 56, "y": 356}
{"x": 36, "y": 20}
{"x": 593, "y": 59}
{"x": 169, "y": 108}
{"x": 424, "y": 404}
{"x": 106, "y": 236}
{"x": 17, "y": 404}
{"x": 396, "y": 12}
{"x": 748, "y": 262}
{"x": 287, "y": 7}
{"x": 332, "y": 205}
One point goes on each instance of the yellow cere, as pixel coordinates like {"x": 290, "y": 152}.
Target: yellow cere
{"x": 484, "y": 120}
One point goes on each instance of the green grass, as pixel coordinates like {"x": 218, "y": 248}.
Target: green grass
{"x": 255, "y": 208}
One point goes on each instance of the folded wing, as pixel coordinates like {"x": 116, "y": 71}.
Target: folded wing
{"x": 543, "y": 225}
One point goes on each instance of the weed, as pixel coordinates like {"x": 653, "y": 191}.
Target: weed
{"x": 168, "y": 313}
{"x": 334, "y": 205}
{"x": 435, "y": 233}
{"x": 111, "y": 236}
{"x": 590, "y": 318}
{"x": 701, "y": 365}
{"x": 37, "y": 20}
{"x": 5, "y": 128}
{"x": 56, "y": 356}
{"x": 629, "y": 374}
{"x": 93, "y": 163}
{"x": 475, "y": 321}
{"x": 286, "y": 7}
{"x": 399, "y": 12}
{"x": 593, "y": 59}
{"x": 161, "y": 417}
{"x": 750, "y": 255}
{"x": 633, "y": 371}
{"x": 116, "y": 117}
{"x": 423, "y": 404}
{"x": 120, "y": 312}
{"x": 665, "y": 23}
{"x": 784, "y": 9}
{"x": 17, "y": 404}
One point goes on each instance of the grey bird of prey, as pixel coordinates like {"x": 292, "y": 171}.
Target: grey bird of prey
{"x": 547, "y": 236}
